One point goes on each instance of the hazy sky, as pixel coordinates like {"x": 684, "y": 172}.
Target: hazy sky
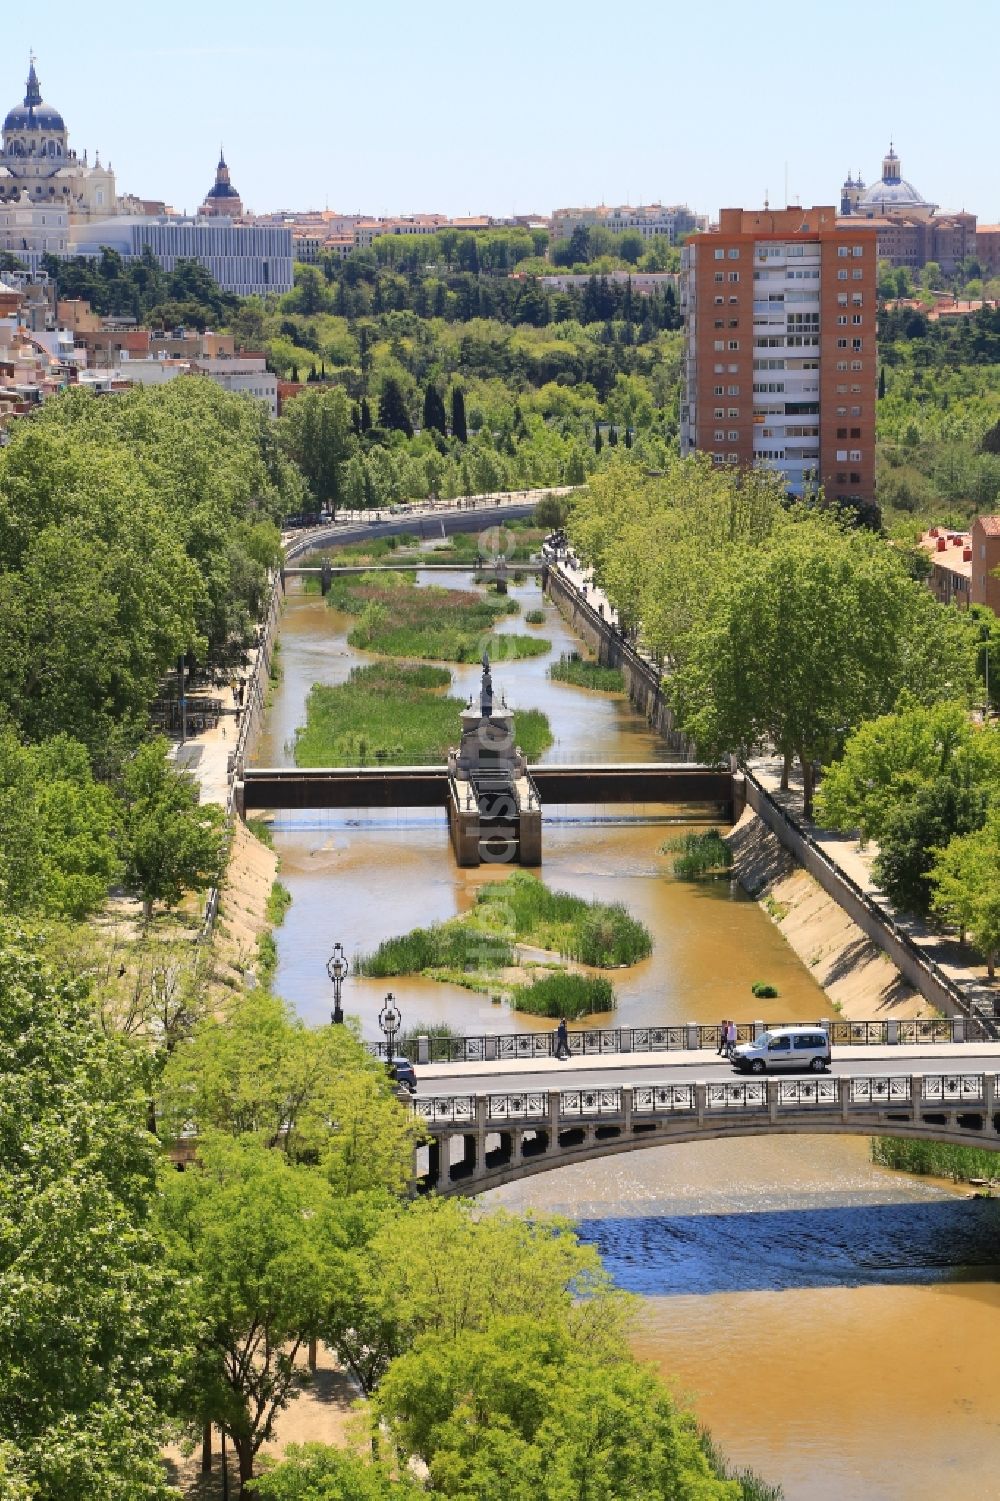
{"x": 507, "y": 107}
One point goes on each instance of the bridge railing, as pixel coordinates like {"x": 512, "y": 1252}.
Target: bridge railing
{"x": 518, "y": 1047}
{"x": 717, "y": 1099}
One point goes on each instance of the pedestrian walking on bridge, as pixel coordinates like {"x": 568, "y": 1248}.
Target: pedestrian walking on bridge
{"x": 562, "y": 1039}
{"x": 720, "y": 1051}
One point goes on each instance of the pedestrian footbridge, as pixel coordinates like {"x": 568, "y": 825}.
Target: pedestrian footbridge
{"x": 486, "y": 1129}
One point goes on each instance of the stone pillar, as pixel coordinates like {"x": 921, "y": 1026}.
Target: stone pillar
{"x": 758, "y": 1028}
{"x": 423, "y": 1048}
{"x": 700, "y": 1102}
{"x": 693, "y": 1037}
{"x": 892, "y": 1033}
{"x": 958, "y": 1029}
{"x": 433, "y": 1162}
{"x": 627, "y": 1110}
{"x": 844, "y": 1089}
{"x": 771, "y": 1086}
{"x": 490, "y": 1049}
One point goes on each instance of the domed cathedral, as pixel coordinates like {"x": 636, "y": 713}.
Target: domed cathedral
{"x": 892, "y": 194}
{"x": 37, "y": 166}
{"x": 222, "y": 197}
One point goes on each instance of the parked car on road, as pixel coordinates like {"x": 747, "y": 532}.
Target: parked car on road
{"x": 784, "y": 1048}
{"x": 402, "y": 1072}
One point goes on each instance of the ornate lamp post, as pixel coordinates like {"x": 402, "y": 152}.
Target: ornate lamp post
{"x": 389, "y": 1020}
{"x": 337, "y": 967}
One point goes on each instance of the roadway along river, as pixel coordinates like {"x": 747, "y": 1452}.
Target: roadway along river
{"x": 834, "y": 1323}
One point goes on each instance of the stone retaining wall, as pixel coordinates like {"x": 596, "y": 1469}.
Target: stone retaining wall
{"x": 642, "y": 680}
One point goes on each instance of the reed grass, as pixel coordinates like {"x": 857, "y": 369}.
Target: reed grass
{"x": 535, "y": 617}
{"x": 937, "y": 1159}
{"x": 394, "y": 714}
{"x": 572, "y": 668}
{"x": 565, "y": 994}
{"x": 600, "y": 934}
{"x": 429, "y": 624}
{"x": 699, "y": 855}
{"x": 453, "y": 945}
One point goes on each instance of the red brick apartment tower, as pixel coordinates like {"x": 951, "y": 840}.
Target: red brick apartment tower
{"x": 779, "y": 347}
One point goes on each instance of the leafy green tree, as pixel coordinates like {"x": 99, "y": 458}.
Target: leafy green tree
{"x": 889, "y": 760}
{"x": 317, "y": 1472}
{"x": 631, "y": 246}
{"x": 915, "y": 833}
{"x": 250, "y": 1232}
{"x": 435, "y": 416}
{"x": 802, "y": 639}
{"x": 94, "y": 1327}
{"x": 393, "y": 412}
{"x": 520, "y": 1409}
{"x": 966, "y": 881}
{"x": 459, "y": 428}
{"x": 315, "y": 1093}
{"x": 173, "y": 842}
{"x": 315, "y": 431}
{"x": 435, "y": 1269}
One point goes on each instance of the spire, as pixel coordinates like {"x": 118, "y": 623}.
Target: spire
{"x": 222, "y": 158}
{"x": 33, "y": 94}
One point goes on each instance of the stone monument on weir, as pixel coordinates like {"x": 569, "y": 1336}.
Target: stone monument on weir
{"x": 494, "y": 815}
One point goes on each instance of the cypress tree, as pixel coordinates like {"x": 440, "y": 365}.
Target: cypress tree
{"x": 366, "y": 415}
{"x": 435, "y": 417}
{"x": 458, "y": 427}
{"x": 293, "y": 374}
{"x": 598, "y": 440}
{"x": 392, "y": 411}
{"x": 881, "y": 383}
{"x": 612, "y": 437}
{"x": 356, "y": 419}
{"x": 628, "y": 437}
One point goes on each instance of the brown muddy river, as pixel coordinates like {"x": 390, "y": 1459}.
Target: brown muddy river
{"x": 835, "y": 1324}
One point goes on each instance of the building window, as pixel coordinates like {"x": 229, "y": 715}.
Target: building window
{"x": 719, "y": 412}
{"x": 857, "y": 365}
{"x": 734, "y": 412}
{"x": 855, "y": 455}
{"x": 720, "y": 255}
{"x": 720, "y": 323}
{"x": 734, "y": 458}
{"x": 734, "y": 276}
{"x": 856, "y": 344}
{"x": 841, "y": 344}
{"x": 841, "y": 318}
{"x": 719, "y": 301}
{"x": 734, "y": 253}
{"x": 841, "y": 455}
{"x": 841, "y": 432}
{"x": 842, "y": 250}
{"x": 720, "y": 344}
{"x": 841, "y": 299}
{"x": 734, "y": 323}
{"x": 719, "y": 435}
{"x": 719, "y": 370}
{"x": 841, "y": 275}
{"x": 717, "y": 390}
{"x": 841, "y": 411}
{"x": 734, "y": 301}
{"x": 855, "y": 411}
{"x": 841, "y": 479}
{"x": 720, "y": 276}
{"x": 857, "y": 274}
{"x": 734, "y": 436}
{"x": 841, "y": 364}
{"x": 732, "y": 390}
{"x": 734, "y": 344}
{"x": 855, "y": 432}
{"x": 733, "y": 369}
{"x": 857, "y": 250}
{"x": 857, "y": 298}
{"x": 855, "y": 479}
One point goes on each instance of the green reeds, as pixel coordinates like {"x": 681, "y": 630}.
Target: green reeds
{"x": 577, "y": 670}
{"x": 452, "y": 945}
{"x": 395, "y": 714}
{"x": 699, "y": 855}
{"x": 600, "y": 934}
{"x": 565, "y": 994}
{"x": 937, "y": 1159}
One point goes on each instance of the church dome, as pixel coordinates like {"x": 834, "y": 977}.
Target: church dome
{"x": 892, "y": 192}
{"x": 34, "y": 113}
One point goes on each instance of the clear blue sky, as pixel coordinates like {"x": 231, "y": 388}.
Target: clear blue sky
{"x": 400, "y": 106}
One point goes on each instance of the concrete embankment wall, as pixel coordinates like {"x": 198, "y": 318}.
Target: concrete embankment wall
{"x": 642, "y": 681}
{"x": 255, "y": 700}
{"x": 916, "y": 970}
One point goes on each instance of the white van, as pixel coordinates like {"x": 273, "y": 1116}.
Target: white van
{"x": 784, "y": 1048}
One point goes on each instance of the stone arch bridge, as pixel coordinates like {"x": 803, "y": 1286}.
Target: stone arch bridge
{"x": 483, "y": 1137}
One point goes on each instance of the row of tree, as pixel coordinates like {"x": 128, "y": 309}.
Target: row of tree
{"x": 140, "y": 1301}
{"x": 778, "y": 626}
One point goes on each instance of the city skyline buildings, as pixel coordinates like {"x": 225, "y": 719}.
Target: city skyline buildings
{"x": 421, "y": 115}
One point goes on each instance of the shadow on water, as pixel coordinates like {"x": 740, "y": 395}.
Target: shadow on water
{"x": 850, "y": 1245}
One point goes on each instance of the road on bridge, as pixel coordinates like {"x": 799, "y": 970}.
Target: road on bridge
{"x": 692, "y": 1067}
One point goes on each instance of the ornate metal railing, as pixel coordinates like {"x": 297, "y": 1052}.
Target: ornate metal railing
{"x": 507, "y": 1047}
{"x": 756, "y": 1096}
{"x": 651, "y": 1098}
{"x": 578, "y": 1102}
{"x": 941, "y": 1088}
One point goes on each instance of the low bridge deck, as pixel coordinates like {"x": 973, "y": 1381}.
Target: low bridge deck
{"x": 497, "y": 1126}
{"x": 427, "y": 786}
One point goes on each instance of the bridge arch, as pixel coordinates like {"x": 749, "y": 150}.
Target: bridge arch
{"x": 486, "y": 1141}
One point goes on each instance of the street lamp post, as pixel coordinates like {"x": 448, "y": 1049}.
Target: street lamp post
{"x": 337, "y": 967}
{"x": 389, "y": 1020}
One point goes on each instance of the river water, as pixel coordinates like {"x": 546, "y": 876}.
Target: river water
{"x": 835, "y": 1324}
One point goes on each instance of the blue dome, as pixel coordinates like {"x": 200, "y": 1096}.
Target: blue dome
{"x": 34, "y": 114}
{"x": 34, "y": 117}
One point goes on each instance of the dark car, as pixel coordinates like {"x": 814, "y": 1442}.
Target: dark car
{"x": 401, "y": 1071}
